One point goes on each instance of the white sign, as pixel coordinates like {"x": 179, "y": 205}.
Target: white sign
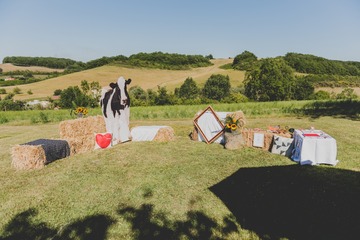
{"x": 258, "y": 140}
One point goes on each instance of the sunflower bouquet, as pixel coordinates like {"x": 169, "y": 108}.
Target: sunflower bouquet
{"x": 80, "y": 111}
{"x": 233, "y": 124}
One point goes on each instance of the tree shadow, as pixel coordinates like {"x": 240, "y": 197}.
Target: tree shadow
{"x": 341, "y": 108}
{"x": 22, "y": 226}
{"x": 295, "y": 202}
{"x": 148, "y": 224}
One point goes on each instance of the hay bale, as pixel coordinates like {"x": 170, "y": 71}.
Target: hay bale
{"x": 28, "y": 157}
{"x": 248, "y": 136}
{"x": 165, "y": 134}
{"x": 38, "y": 153}
{"x": 80, "y": 132}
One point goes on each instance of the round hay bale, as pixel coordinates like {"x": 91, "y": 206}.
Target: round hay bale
{"x": 28, "y": 157}
{"x": 165, "y": 134}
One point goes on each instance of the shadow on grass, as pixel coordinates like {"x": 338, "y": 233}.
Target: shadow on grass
{"x": 341, "y": 108}
{"x": 144, "y": 221}
{"x": 22, "y": 226}
{"x": 148, "y": 224}
{"x": 295, "y": 202}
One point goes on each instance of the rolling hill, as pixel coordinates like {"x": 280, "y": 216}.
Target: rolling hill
{"x": 143, "y": 77}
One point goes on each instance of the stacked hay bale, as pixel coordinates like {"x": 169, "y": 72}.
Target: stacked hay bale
{"x": 80, "y": 133}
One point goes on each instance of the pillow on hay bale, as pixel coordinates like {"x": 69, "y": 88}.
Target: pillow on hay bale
{"x": 282, "y": 145}
{"x": 103, "y": 140}
{"x": 38, "y": 153}
{"x": 152, "y": 133}
{"x": 80, "y": 132}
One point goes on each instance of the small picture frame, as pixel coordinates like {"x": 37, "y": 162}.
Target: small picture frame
{"x": 207, "y": 118}
{"x": 258, "y": 140}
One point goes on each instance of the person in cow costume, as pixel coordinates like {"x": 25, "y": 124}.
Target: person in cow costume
{"x": 115, "y": 106}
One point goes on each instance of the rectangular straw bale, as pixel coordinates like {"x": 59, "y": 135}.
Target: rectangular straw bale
{"x": 28, "y": 157}
{"x": 80, "y": 132}
{"x": 248, "y": 136}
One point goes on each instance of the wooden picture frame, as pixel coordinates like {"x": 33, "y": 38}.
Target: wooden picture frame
{"x": 216, "y": 122}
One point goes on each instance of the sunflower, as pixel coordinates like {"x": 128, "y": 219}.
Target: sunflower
{"x": 233, "y": 127}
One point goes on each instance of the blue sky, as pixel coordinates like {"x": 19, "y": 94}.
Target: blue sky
{"x": 84, "y": 30}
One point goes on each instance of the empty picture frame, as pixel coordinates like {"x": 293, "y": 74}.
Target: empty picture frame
{"x": 209, "y": 125}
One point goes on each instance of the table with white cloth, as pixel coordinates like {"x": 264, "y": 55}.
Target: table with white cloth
{"x": 313, "y": 147}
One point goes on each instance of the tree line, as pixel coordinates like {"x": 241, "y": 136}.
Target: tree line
{"x": 172, "y": 61}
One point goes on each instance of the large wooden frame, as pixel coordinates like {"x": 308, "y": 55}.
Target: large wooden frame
{"x": 209, "y": 138}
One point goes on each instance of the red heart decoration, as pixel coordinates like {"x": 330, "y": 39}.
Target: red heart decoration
{"x": 103, "y": 140}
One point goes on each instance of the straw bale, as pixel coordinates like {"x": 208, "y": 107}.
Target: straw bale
{"x": 28, "y": 157}
{"x": 80, "y": 132}
{"x": 165, "y": 134}
{"x": 248, "y": 136}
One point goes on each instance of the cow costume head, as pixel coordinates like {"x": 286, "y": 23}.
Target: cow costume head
{"x": 115, "y": 106}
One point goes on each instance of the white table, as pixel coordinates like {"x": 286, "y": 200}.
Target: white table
{"x": 314, "y": 150}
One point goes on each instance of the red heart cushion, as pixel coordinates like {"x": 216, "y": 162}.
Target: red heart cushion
{"x": 103, "y": 140}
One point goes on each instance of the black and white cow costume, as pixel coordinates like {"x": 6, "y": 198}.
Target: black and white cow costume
{"x": 115, "y": 105}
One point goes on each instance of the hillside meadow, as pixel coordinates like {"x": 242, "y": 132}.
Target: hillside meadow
{"x": 143, "y": 77}
{"x": 181, "y": 189}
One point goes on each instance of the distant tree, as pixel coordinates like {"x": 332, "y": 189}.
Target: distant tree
{"x": 162, "y": 98}
{"x": 57, "y": 92}
{"x": 303, "y": 89}
{"x": 272, "y": 81}
{"x": 189, "y": 89}
{"x": 2, "y": 91}
{"x": 1, "y": 70}
{"x": 138, "y": 96}
{"x": 244, "y": 61}
{"x": 73, "y": 96}
{"x": 210, "y": 56}
{"x": 217, "y": 87}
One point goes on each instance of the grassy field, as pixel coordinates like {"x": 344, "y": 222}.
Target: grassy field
{"x": 145, "y": 78}
{"x": 181, "y": 189}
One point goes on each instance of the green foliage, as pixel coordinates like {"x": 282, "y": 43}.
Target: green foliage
{"x": 217, "y": 87}
{"x": 73, "y": 95}
{"x": 16, "y": 90}
{"x": 244, "y": 61}
{"x": 320, "y": 95}
{"x": 172, "y": 61}
{"x": 57, "y": 92}
{"x": 29, "y": 92}
{"x": 10, "y": 105}
{"x": 347, "y": 93}
{"x": 50, "y": 62}
{"x": 306, "y": 63}
{"x": 162, "y": 97}
{"x": 302, "y": 89}
{"x": 272, "y": 81}
{"x": 327, "y": 80}
{"x": 2, "y": 91}
{"x": 189, "y": 89}
{"x": 138, "y": 96}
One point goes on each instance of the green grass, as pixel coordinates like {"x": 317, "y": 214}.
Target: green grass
{"x": 181, "y": 189}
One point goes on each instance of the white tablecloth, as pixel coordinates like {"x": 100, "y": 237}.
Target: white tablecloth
{"x": 314, "y": 150}
{"x": 144, "y": 133}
